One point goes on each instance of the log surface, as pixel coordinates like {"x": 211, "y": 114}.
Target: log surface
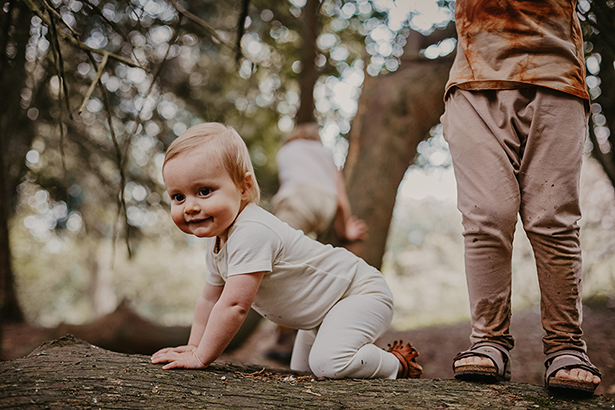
{"x": 70, "y": 373}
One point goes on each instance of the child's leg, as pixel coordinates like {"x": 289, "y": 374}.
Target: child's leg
{"x": 549, "y": 180}
{"x": 485, "y": 151}
{"x": 299, "y": 360}
{"x": 550, "y": 211}
{"x": 344, "y": 343}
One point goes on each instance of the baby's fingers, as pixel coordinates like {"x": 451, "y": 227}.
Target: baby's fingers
{"x": 170, "y": 351}
{"x": 164, "y": 357}
{"x": 159, "y": 354}
{"x": 163, "y": 351}
{"x": 173, "y": 365}
{"x": 156, "y": 358}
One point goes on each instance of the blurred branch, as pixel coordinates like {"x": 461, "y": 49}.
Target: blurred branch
{"x": 59, "y": 63}
{"x": 157, "y": 73}
{"x": 241, "y": 27}
{"x": 5, "y": 39}
{"x": 118, "y": 151}
{"x": 73, "y": 38}
{"x": 95, "y": 81}
{"x": 204, "y": 25}
{"x": 111, "y": 23}
{"x": 53, "y": 12}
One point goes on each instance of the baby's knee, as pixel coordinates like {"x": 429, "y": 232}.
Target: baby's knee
{"x": 327, "y": 364}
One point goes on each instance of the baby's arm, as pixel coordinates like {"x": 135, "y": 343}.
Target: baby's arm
{"x": 347, "y": 226}
{"x": 204, "y": 305}
{"x": 226, "y": 317}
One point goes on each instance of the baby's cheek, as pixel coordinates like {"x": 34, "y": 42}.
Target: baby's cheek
{"x": 177, "y": 216}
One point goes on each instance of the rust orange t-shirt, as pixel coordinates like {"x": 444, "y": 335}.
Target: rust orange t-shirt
{"x": 506, "y": 44}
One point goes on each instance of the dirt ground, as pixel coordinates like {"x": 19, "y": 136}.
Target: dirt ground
{"x": 438, "y": 345}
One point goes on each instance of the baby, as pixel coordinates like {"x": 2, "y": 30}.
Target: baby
{"x": 339, "y": 303}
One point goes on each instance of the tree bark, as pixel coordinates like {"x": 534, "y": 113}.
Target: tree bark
{"x": 69, "y": 373}
{"x": 309, "y": 72}
{"x": 9, "y": 307}
{"x": 396, "y": 112}
{"x": 15, "y": 32}
{"x": 607, "y": 102}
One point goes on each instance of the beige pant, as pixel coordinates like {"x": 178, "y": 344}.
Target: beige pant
{"x": 343, "y": 344}
{"x": 305, "y": 208}
{"x": 519, "y": 152}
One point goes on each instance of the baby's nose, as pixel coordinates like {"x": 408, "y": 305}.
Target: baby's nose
{"x": 192, "y": 206}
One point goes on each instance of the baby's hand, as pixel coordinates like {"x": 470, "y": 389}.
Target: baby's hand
{"x": 178, "y": 349}
{"x": 356, "y": 229}
{"x": 178, "y": 358}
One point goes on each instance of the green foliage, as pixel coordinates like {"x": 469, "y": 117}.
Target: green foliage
{"x": 107, "y": 85}
{"x": 90, "y": 178}
{"x": 186, "y": 69}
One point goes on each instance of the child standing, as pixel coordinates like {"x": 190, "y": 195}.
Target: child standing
{"x": 516, "y": 122}
{"x": 340, "y": 304}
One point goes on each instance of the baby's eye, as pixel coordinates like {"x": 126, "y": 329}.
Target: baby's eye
{"x": 205, "y": 191}
{"x": 177, "y": 197}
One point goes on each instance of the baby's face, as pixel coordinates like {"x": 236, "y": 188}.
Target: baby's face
{"x": 204, "y": 199}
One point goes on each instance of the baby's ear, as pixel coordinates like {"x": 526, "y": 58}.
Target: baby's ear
{"x": 247, "y": 185}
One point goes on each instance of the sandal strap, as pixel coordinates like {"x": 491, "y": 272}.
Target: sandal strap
{"x": 578, "y": 360}
{"x": 499, "y": 355}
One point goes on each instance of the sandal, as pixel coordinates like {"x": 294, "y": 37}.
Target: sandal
{"x": 498, "y": 371}
{"x": 407, "y": 357}
{"x": 578, "y": 361}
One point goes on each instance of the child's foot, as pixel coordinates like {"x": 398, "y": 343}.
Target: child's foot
{"x": 474, "y": 361}
{"x": 408, "y": 367}
{"x": 485, "y": 362}
{"x": 576, "y": 374}
{"x": 571, "y": 371}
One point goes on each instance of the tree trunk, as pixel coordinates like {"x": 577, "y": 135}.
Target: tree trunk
{"x": 100, "y": 291}
{"x": 15, "y": 33}
{"x": 599, "y": 33}
{"x": 607, "y": 102}
{"x": 309, "y": 72}
{"x": 69, "y": 373}
{"x": 396, "y": 112}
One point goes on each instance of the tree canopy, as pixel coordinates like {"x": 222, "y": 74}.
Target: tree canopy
{"x": 95, "y": 90}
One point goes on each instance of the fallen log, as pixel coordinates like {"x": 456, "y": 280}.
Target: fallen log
{"x": 71, "y": 373}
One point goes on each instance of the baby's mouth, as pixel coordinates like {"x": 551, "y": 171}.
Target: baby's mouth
{"x": 198, "y": 221}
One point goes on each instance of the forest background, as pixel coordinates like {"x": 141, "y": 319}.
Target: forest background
{"x": 94, "y": 91}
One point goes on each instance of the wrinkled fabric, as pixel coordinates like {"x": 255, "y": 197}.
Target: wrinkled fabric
{"x": 519, "y": 153}
{"x": 306, "y": 208}
{"x": 509, "y": 44}
{"x": 342, "y": 346}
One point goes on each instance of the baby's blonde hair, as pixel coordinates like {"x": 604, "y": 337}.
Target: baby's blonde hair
{"x": 225, "y": 143}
